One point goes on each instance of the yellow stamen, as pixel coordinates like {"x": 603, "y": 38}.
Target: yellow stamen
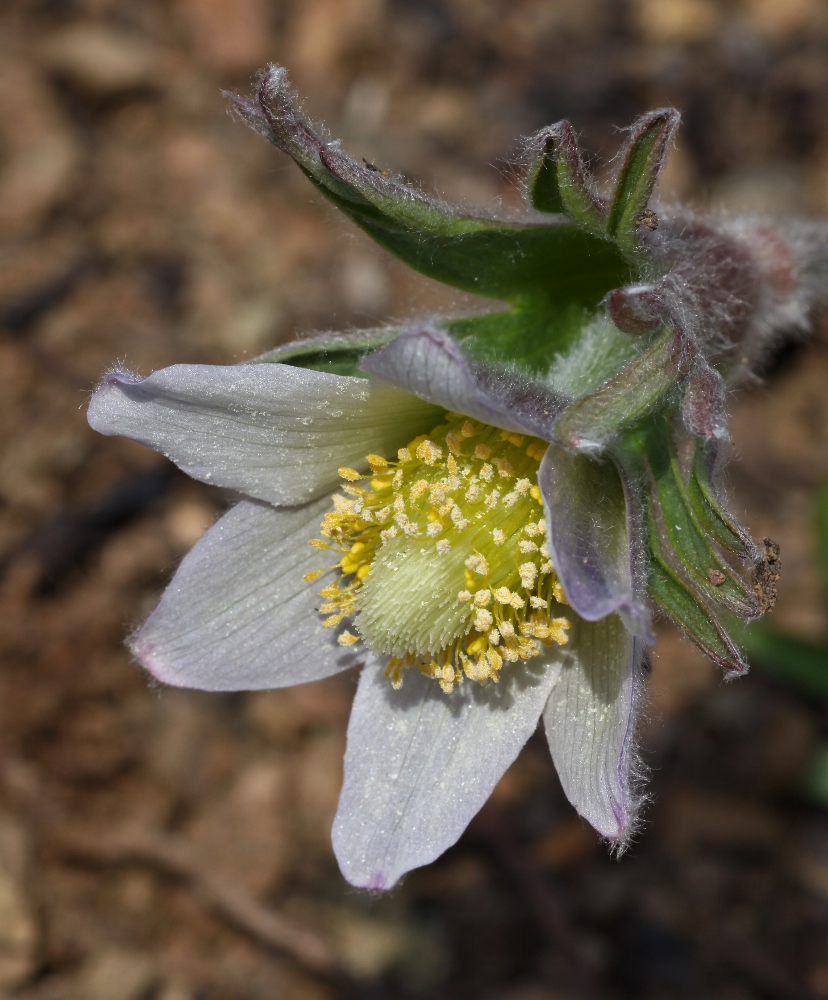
{"x": 515, "y": 439}
{"x": 429, "y": 453}
{"x": 440, "y": 568}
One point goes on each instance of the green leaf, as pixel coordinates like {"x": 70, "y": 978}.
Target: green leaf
{"x": 643, "y": 160}
{"x": 519, "y": 262}
{"x": 674, "y": 518}
{"x": 677, "y": 600}
{"x": 337, "y": 355}
{"x": 542, "y": 191}
{"x": 798, "y": 662}
{"x": 523, "y": 337}
{"x": 549, "y": 264}
{"x": 710, "y": 513}
{"x": 641, "y": 385}
{"x": 572, "y": 181}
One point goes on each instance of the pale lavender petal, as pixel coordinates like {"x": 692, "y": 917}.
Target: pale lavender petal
{"x": 275, "y": 432}
{"x": 590, "y": 722}
{"x": 593, "y": 534}
{"x": 427, "y": 362}
{"x": 421, "y": 763}
{"x": 237, "y": 615}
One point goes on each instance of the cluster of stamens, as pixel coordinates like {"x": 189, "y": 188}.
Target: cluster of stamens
{"x": 469, "y": 488}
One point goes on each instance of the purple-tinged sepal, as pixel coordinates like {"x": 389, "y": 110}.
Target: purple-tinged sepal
{"x": 703, "y": 404}
{"x": 637, "y": 310}
{"x": 427, "y": 362}
{"x": 594, "y": 533}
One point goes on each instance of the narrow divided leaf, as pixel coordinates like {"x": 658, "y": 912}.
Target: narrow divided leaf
{"x": 672, "y": 516}
{"x": 709, "y": 511}
{"x": 554, "y": 261}
{"x": 643, "y": 159}
{"x": 577, "y": 195}
{"x": 589, "y": 423}
{"x": 542, "y": 191}
{"x": 683, "y": 607}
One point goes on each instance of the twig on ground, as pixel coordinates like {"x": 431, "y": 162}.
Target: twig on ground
{"x": 174, "y": 857}
{"x": 227, "y": 899}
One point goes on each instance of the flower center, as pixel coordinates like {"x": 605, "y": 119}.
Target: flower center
{"x": 443, "y": 563}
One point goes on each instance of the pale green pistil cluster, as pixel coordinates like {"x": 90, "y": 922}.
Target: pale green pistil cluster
{"x": 443, "y": 562}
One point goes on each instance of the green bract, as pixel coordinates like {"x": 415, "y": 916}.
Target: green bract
{"x": 632, "y": 322}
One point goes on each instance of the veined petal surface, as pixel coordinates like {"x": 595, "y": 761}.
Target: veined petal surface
{"x": 593, "y": 537}
{"x": 237, "y": 615}
{"x": 590, "y": 721}
{"x": 420, "y": 764}
{"x": 275, "y": 432}
{"x": 427, "y": 362}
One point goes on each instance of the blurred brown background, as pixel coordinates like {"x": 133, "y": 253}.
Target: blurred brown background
{"x": 151, "y": 840}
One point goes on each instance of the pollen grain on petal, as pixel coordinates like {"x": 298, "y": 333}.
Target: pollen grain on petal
{"x": 477, "y": 564}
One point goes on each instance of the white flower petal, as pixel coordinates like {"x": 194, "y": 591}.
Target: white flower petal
{"x": 272, "y": 431}
{"x": 420, "y": 764}
{"x": 238, "y": 615}
{"x": 590, "y": 722}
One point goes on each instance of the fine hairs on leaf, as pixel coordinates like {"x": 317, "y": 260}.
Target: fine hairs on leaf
{"x": 678, "y": 308}
{"x": 500, "y": 501}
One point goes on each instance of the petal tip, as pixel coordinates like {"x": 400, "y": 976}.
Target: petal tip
{"x": 377, "y": 883}
{"x": 118, "y": 377}
{"x": 361, "y": 878}
{"x": 150, "y": 658}
{"x": 619, "y": 829}
{"x": 145, "y": 653}
{"x": 98, "y": 411}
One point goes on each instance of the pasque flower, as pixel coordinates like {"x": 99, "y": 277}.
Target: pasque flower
{"x": 481, "y": 511}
